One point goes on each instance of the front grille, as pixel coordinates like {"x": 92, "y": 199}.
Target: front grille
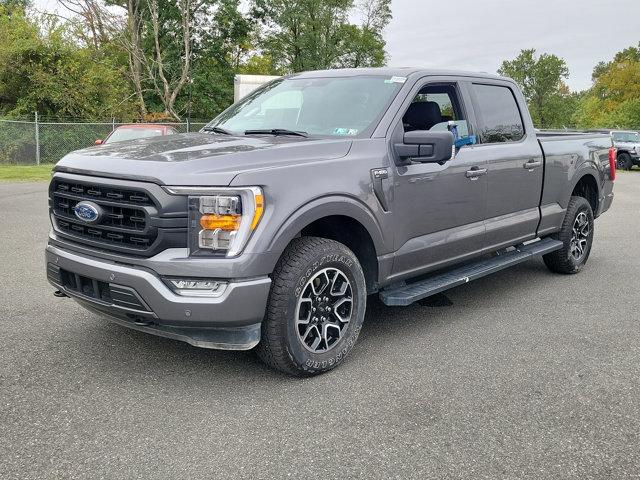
{"x": 107, "y": 236}
{"x": 115, "y": 216}
{"x": 131, "y": 219}
{"x": 101, "y": 192}
{"x": 96, "y": 290}
{"x": 123, "y": 223}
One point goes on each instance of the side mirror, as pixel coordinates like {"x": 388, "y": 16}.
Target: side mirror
{"x": 426, "y": 146}
{"x": 98, "y": 142}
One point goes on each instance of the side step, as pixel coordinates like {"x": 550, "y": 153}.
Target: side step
{"x": 407, "y": 294}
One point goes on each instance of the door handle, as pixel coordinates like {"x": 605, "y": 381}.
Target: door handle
{"x": 531, "y": 164}
{"x": 476, "y": 173}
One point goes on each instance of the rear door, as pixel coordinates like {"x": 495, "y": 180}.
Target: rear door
{"x": 515, "y": 164}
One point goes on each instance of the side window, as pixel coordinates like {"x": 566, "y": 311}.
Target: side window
{"x": 438, "y": 108}
{"x": 501, "y": 119}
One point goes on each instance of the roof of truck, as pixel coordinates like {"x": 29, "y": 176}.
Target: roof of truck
{"x": 394, "y": 72}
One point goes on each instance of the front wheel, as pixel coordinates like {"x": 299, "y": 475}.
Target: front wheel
{"x": 624, "y": 161}
{"x": 316, "y": 307}
{"x": 576, "y": 235}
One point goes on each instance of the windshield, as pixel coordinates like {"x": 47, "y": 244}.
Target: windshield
{"x": 124, "y": 133}
{"x": 345, "y": 106}
{"x": 626, "y": 137}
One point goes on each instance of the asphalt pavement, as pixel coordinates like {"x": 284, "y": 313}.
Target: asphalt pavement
{"x": 527, "y": 374}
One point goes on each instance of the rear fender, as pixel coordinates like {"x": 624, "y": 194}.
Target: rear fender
{"x": 587, "y": 168}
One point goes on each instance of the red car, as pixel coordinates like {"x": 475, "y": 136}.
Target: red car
{"x": 137, "y": 130}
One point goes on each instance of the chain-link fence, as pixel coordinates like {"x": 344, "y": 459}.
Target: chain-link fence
{"x": 35, "y": 141}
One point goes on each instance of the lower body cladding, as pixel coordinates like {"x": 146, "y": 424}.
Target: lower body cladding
{"x": 139, "y": 299}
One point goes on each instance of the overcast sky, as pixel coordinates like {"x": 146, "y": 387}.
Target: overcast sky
{"x": 479, "y": 34}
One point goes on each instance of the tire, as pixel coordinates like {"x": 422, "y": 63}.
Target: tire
{"x": 576, "y": 244}
{"x": 315, "y": 309}
{"x": 624, "y": 162}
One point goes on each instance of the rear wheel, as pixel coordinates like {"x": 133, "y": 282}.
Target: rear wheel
{"x": 316, "y": 307}
{"x": 624, "y": 161}
{"x": 577, "y": 238}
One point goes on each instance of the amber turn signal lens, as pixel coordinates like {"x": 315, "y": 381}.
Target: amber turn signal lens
{"x": 223, "y": 222}
{"x": 259, "y": 211}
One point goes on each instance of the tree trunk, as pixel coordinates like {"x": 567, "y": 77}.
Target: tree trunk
{"x": 170, "y": 88}
{"x": 136, "y": 56}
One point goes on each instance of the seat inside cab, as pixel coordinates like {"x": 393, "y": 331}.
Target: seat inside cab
{"x": 436, "y": 108}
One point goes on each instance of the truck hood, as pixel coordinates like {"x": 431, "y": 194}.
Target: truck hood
{"x": 627, "y": 145}
{"x": 198, "y": 158}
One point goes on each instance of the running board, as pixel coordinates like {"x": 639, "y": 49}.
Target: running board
{"x": 407, "y": 294}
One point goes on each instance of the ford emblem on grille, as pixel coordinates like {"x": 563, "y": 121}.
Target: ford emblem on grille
{"x": 88, "y": 212}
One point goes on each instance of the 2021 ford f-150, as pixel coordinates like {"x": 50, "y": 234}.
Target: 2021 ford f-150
{"x": 271, "y": 226}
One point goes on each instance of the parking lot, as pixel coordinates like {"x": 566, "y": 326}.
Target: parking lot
{"x": 527, "y": 374}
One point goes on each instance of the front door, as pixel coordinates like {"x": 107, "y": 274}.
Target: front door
{"x": 439, "y": 210}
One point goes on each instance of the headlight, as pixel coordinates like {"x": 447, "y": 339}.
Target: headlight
{"x": 221, "y": 220}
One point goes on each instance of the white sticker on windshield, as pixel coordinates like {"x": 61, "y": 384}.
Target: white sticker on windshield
{"x": 345, "y": 131}
{"x": 396, "y": 80}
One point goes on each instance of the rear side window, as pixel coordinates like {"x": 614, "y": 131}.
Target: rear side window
{"x": 501, "y": 119}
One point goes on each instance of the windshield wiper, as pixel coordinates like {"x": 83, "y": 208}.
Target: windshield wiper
{"x": 221, "y": 130}
{"x": 276, "y": 132}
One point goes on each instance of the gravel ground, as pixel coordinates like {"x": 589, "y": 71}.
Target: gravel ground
{"x": 527, "y": 375}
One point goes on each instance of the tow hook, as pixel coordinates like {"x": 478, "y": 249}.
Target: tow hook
{"x": 139, "y": 321}
{"x": 60, "y": 294}
{"x": 142, "y": 323}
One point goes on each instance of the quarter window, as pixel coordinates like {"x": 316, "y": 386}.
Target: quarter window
{"x": 501, "y": 119}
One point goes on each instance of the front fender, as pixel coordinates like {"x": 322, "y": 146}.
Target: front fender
{"x": 325, "y": 207}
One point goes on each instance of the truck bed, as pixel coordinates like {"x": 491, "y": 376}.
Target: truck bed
{"x": 565, "y": 152}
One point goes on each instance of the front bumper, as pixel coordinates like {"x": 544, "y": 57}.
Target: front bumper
{"x": 141, "y": 300}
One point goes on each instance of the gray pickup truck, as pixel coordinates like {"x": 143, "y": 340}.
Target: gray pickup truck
{"x": 271, "y": 226}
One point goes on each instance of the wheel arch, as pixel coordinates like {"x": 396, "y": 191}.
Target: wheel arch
{"x": 341, "y": 219}
{"x": 587, "y": 186}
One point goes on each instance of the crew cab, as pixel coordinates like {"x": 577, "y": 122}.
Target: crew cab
{"x": 270, "y": 228}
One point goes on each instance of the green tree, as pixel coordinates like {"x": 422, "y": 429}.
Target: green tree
{"x": 316, "y": 34}
{"x": 175, "y": 47}
{"x": 614, "y": 99}
{"x": 223, "y": 49}
{"x": 42, "y": 69}
{"x": 159, "y": 59}
{"x": 541, "y": 80}
{"x": 10, "y": 5}
{"x": 631, "y": 54}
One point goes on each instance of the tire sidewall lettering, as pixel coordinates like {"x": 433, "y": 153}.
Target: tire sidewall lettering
{"x": 311, "y": 270}
{"x": 339, "y": 355}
